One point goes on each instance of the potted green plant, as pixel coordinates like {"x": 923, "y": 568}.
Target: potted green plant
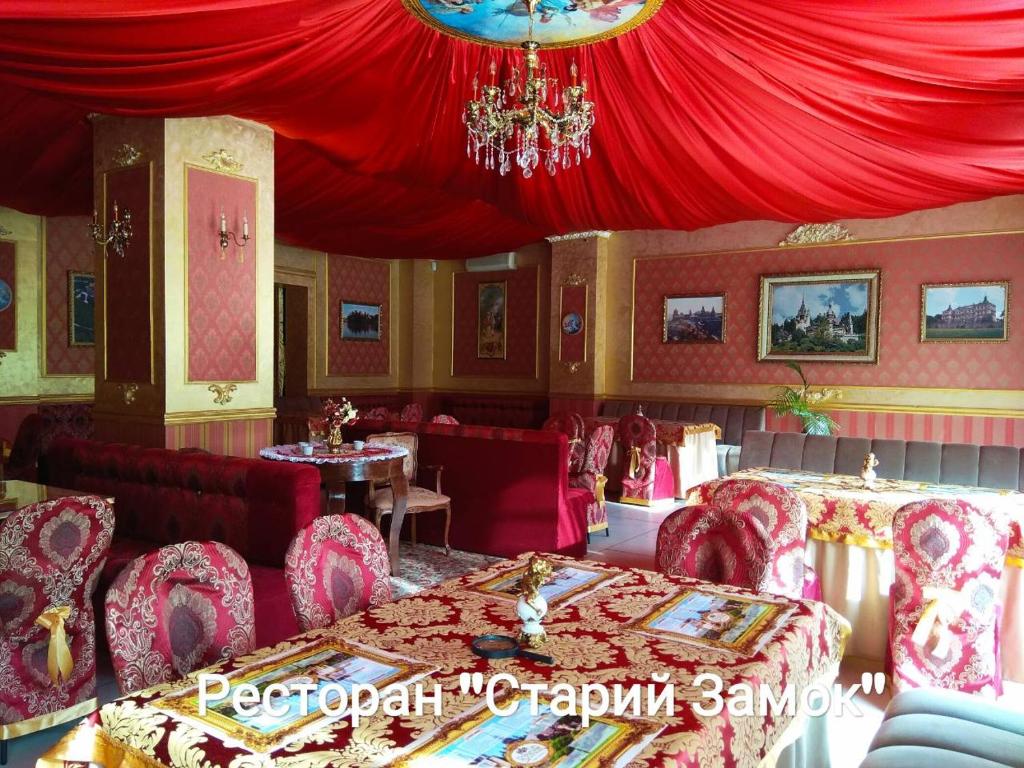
{"x": 804, "y": 403}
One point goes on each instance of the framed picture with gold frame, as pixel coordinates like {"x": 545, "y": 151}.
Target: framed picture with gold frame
{"x": 491, "y": 316}
{"x": 965, "y": 312}
{"x": 717, "y": 620}
{"x": 81, "y": 309}
{"x": 826, "y": 317}
{"x": 568, "y": 583}
{"x": 522, "y": 739}
{"x": 695, "y": 318}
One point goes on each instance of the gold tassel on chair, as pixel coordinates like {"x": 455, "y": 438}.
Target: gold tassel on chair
{"x": 635, "y": 454}
{"x": 59, "y": 661}
{"x": 943, "y": 609}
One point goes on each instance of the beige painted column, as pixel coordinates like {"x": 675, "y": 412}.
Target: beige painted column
{"x": 184, "y": 327}
{"x": 579, "y": 265}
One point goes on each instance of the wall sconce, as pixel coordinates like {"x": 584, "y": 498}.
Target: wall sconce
{"x": 119, "y": 234}
{"x": 226, "y": 237}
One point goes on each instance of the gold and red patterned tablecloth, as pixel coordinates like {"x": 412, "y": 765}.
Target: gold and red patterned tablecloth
{"x": 669, "y": 432}
{"x": 840, "y": 509}
{"x": 588, "y": 636}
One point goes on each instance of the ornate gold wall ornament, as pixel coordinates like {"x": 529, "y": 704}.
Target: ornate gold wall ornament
{"x": 2, "y": 356}
{"x": 128, "y": 392}
{"x": 575, "y": 279}
{"x": 574, "y": 366}
{"x": 807, "y": 234}
{"x": 126, "y": 155}
{"x": 222, "y": 160}
{"x": 579, "y": 235}
{"x": 4, "y": 231}
{"x": 222, "y": 392}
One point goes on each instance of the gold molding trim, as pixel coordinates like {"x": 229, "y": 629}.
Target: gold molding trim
{"x": 223, "y": 393}
{"x": 4, "y": 231}
{"x": 187, "y": 417}
{"x": 128, "y": 392}
{"x": 42, "y": 399}
{"x": 127, "y": 155}
{"x": 815, "y": 234}
{"x": 587, "y": 235}
{"x": 222, "y": 160}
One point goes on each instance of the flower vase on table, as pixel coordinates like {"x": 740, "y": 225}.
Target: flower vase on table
{"x": 336, "y": 415}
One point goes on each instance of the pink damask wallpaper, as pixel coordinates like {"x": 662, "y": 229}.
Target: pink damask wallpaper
{"x": 364, "y": 281}
{"x": 68, "y": 249}
{"x": 521, "y": 319}
{"x": 904, "y": 361}
{"x": 221, "y": 285}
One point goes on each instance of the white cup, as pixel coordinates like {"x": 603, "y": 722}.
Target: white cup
{"x": 358, "y": 445}
{"x": 306, "y": 448}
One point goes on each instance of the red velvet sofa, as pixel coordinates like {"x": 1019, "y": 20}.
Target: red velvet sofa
{"x": 509, "y": 487}
{"x": 522, "y": 412}
{"x": 164, "y": 497}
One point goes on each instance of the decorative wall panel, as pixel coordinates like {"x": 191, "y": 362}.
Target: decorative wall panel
{"x": 68, "y": 249}
{"x": 521, "y": 316}
{"x": 364, "y": 281}
{"x": 221, "y": 316}
{"x": 127, "y": 283}
{"x": 8, "y": 296}
{"x": 903, "y": 360}
{"x": 573, "y": 322}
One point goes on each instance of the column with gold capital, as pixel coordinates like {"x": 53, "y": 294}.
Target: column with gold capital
{"x": 184, "y": 323}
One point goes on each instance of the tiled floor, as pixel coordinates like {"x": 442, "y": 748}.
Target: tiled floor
{"x": 630, "y": 542}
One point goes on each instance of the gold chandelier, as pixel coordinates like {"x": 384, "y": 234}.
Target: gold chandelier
{"x": 523, "y": 117}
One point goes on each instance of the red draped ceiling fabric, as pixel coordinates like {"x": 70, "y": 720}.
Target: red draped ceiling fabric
{"x": 713, "y": 111}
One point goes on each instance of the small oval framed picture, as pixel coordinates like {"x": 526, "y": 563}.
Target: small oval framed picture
{"x": 964, "y": 312}
{"x": 572, "y": 323}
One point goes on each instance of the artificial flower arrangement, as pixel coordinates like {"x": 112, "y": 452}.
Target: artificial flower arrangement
{"x": 335, "y": 416}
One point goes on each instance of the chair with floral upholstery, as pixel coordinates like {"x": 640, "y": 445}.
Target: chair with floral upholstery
{"x": 411, "y": 412}
{"x": 444, "y": 418}
{"x": 944, "y": 609}
{"x": 715, "y": 545}
{"x": 381, "y": 501}
{"x": 51, "y": 554}
{"x": 646, "y": 476}
{"x": 572, "y": 426}
{"x": 336, "y": 566}
{"x": 784, "y": 516}
{"x": 178, "y": 609}
{"x": 592, "y": 477}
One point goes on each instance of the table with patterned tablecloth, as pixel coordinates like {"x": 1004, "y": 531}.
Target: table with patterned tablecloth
{"x": 596, "y": 635}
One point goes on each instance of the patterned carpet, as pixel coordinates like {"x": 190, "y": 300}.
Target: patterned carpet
{"x": 422, "y": 566}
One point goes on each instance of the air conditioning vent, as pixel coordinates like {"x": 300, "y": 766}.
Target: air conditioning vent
{"x": 495, "y": 263}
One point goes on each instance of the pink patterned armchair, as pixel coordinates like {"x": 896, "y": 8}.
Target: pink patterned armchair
{"x": 380, "y": 413}
{"x": 335, "y": 567}
{"x": 592, "y": 478}
{"x": 944, "y": 609}
{"x": 51, "y": 554}
{"x": 715, "y": 545}
{"x": 411, "y": 412}
{"x": 573, "y": 427}
{"x": 646, "y": 477}
{"x": 444, "y": 418}
{"x": 784, "y": 516}
{"x": 178, "y": 609}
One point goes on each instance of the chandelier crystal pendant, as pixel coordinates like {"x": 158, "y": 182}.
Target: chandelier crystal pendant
{"x": 523, "y": 117}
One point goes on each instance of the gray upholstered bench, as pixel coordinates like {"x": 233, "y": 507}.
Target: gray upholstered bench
{"x": 929, "y": 728}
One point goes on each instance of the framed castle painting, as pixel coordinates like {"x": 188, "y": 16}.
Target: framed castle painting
{"x": 830, "y": 316}
{"x": 81, "y": 309}
{"x": 491, "y": 316}
{"x": 965, "y": 311}
{"x": 693, "y": 319}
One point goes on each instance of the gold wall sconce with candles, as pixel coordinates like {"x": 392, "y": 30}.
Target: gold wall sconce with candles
{"x": 227, "y": 237}
{"x": 117, "y": 236}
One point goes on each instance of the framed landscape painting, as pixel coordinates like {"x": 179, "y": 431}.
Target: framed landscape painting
{"x": 491, "y": 316}
{"x": 953, "y": 312}
{"x": 830, "y": 316}
{"x": 360, "y": 321}
{"x": 694, "y": 319}
{"x": 81, "y": 309}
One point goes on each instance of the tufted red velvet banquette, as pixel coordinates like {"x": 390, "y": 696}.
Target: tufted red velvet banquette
{"x": 167, "y": 497}
{"x": 509, "y": 487}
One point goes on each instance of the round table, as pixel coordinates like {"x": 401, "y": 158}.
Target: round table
{"x": 376, "y": 461}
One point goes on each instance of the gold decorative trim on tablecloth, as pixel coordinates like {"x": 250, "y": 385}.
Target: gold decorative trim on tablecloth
{"x": 49, "y": 720}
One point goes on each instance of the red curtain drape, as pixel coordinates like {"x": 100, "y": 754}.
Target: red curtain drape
{"x": 713, "y": 111}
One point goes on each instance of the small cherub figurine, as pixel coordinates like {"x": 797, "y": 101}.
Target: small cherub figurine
{"x": 867, "y": 472}
{"x": 531, "y": 608}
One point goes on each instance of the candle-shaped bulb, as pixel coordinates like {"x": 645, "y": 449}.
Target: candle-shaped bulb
{"x": 223, "y": 223}
{"x": 574, "y": 72}
{"x": 95, "y": 216}
{"x": 245, "y": 226}
{"x": 494, "y": 71}
{"x": 115, "y": 210}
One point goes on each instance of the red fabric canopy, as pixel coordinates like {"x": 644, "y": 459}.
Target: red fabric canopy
{"x": 713, "y": 111}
